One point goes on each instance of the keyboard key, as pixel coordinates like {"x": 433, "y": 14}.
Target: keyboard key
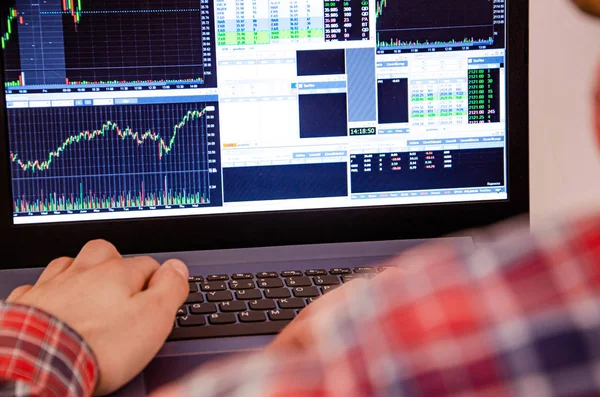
{"x": 203, "y": 308}
{"x": 281, "y": 314}
{"x": 195, "y": 298}
{"x": 244, "y": 284}
{"x": 195, "y": 279}
{"x": 270, "y": 283}
{"x": 276, "y": 293}
{"x": 310, "y": 300}
{"x": 182, "y": 311}
{"x": 235, "y": 306}
{"x": 219, "y": 296}
{"x": 249, "y": 294}
{"x": 193, "y": 288}
{"x": 267, "y": 275}
{"x": 298, "y": 282}
{"x": 217, "y": 277}
{"x": 326, "y": 280}
{"x": 252, "y": 317}
{"x": 291, "y": 303}
{"x": 316, "y": 272}
{"x": 242, "y": 276}
{"x": 364, "y": 270}
{"x": 213, "y": 286}
{"x": 191, "y": 321}
{"x": 263, "y": 304}
{"x": 339, "y": 270}
{"x": 291, "y": 273}
{"x": 222, "y": 318}
{"x": 305, "y": 292}
{"x": 228, "y": 330}
{"x": 328, "y": 288}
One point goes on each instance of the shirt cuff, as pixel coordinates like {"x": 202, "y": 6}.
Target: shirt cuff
{"x": 43, "y": 355}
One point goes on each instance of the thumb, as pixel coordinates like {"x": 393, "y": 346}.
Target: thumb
{"x": 168, "y": 287}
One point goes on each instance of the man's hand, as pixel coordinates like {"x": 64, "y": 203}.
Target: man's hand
{"x": 123, "y": 308}
{"x": 297, "y": 336}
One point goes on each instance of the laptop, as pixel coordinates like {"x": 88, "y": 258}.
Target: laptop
{"x": 279, "y": 148}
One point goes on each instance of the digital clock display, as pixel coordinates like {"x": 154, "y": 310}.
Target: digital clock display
{"x": 363, "y": 131}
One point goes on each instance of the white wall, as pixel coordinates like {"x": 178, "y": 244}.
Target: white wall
{"x": 565, "y": 161}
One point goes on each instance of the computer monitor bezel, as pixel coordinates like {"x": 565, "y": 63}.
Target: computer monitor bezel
{"x": 24, "y": 246}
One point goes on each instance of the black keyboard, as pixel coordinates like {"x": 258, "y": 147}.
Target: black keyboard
{"x": 244, "y": 304}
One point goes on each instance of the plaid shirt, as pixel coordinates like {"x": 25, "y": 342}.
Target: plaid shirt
{"x": 518, "y": 316}
{"x": 41, "y": 356}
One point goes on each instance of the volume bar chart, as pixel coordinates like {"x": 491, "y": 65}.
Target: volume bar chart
{"x": 85, "y": 200}
{"x": 114, "y": 158}
{"x": 414, "y": 25}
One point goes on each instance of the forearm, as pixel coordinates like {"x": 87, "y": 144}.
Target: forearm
{"x": 42, "y": 356}
{"x": 457, "y": 323}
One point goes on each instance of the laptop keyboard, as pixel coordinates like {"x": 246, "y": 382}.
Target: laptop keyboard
{"x": 244, "y": 304}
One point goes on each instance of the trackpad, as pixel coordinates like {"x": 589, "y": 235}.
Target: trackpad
{"x": 165, "y": 370}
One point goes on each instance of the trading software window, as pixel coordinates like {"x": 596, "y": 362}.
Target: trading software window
{"x": 128, "y": 109}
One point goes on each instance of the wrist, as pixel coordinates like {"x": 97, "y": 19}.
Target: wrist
{"x": 44, "y": 352}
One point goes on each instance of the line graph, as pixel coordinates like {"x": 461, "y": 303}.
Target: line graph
{"x": 429, "y": 24}
{"x": 164, "y": 146}
{"x": 139, "y": 157}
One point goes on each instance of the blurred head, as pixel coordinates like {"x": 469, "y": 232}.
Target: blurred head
{"x": 592, "y": 7}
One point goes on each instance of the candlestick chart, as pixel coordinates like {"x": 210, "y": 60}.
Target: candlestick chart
{"x": 92, "y": 42}
{"x": 9, "y": 40}
{"x": 118, "y": 157}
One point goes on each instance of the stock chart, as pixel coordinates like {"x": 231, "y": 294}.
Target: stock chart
{"x": 10, "y": 45}
{"x": 83, "y": 42}
{"x": 428, "y": 24}
{"x": 118, "y": 157}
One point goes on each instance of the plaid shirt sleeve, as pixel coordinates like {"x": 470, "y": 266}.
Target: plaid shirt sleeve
{"x": 42, "y": 356}
{"x": 518, "y": 316}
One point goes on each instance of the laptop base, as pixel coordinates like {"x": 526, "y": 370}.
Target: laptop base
{"x": 178, "y": 358}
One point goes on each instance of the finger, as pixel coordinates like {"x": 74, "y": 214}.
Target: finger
{"x": 167, "y": 291}
{"x": 331, "y": 298}
{"x": 137, "y": 272}
{"x": 54, "y": 268}
{"x": 95, "y": 252}
{"x": 167, "y": 391}
{"x": 18, "y": 292}
{"x": 298, "y": 334}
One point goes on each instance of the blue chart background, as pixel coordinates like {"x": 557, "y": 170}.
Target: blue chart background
{"x": 108, "y": 165}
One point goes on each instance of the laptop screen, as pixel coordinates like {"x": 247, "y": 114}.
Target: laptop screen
{"x": 134, "y": 109}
